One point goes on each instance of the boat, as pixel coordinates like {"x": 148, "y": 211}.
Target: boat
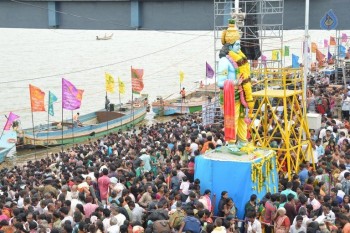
{"x": 7, "y": 144}
{"x": 92, "y": 125}
{"x": 194, "y": 102}
{"x": 105, "y": 37}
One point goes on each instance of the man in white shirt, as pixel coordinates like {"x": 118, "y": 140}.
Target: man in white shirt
{"x": 253, "y": 225}
{"x": 313, "y": 201}
{"x": 297, "y": 227}
{"x": 327, "y": 215}
{"x": 114, "y": 227}
{"x": 146, "y": 158}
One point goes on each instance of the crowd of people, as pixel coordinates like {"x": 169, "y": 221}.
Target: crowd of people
{"x": 143, "y": 181}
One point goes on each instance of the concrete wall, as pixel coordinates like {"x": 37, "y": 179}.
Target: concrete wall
{"x": 154, "y": 15}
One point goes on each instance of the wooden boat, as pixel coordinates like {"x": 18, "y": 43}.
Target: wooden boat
{"x": 194, "y": 102}
{"x": 7, "y": 144}
{"x": 105, "y": 37}
{"x": 94, "y": 124}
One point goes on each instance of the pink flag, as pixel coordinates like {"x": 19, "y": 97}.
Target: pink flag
{"x": 12, "y": 117}
{"x": 209, "y": 72}
{"x": 71, "y": 96}
{"x": 325, "y": 43}
{"x": 344, "y": 37}
{"x": 263, "y": 60}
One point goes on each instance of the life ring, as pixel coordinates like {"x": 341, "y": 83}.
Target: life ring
{"x": 11, "y": 140}
{"x": 137, "y": 105}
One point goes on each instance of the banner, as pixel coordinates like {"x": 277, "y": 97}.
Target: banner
{"x": 71, "y": 96}
{"x": 209, "y": 72}
{"x": 121, "y": 86}
{"x": 275, "y": 55}
{"x": 332, "y": 41}
{"x": 109, "y": 83}
{"x": 10, "y": 119}
{"x": 182, "y": 76}
{"x": 295, "y": 61}
{"x": 286, "y": 51}
{"x": 137, "y": 80}
{"x": 52, "y": 99}
{"x": 37, "y": 98}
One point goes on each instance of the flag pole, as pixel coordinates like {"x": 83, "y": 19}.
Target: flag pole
{"x": 33, "y": 135}
{"x": 62, "y": 129}
{"x": 73, "y": 127}
{"x": 47, "y": 133}
{"x": 132, "y": 102}
{"x": 180, "y": 95}
{"x": 107, "y": 110}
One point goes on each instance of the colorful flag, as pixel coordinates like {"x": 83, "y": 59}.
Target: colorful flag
{"x": 325, "y": 43}
{"x": 209, "y": 72}
{"x": 342, "y": 51}
{"x": 182, "y": 76}
{"x": 319, "y": 56}
{"x": 295, "y": 61}
{"x": 329, "y": 55}
{"x": 286, "y": 51}
{"x": 10, "y": 119}
{"x": 52, "y": 99}
{"x": 109, "y": 83}
{"x": 332, "y": 41}
{"x": 37, "y": 97}
{"x": 71, "y": 96}
{"x": 313, "y": 47}
{"x": 275, "y": 55}
{"x": 263, "y": 60}
{"x": 121, "y": 86}
{"x": 137, "y": 80}
{"x": 344, "y": 38}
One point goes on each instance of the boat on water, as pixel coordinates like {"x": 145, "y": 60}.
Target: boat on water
{"x": 7, "y": 144}
{"x": 105, "y": 37}
{"x": 194, "y": 102}
{"x": 91, "y": 125}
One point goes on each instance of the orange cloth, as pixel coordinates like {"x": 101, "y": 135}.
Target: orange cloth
{"x": 229, "y": 111}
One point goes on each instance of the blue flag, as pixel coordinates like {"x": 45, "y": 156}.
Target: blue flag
{"x": 295, "y": 61}
{"x": 52, "y": 99}
{"x": 342, "y": 51}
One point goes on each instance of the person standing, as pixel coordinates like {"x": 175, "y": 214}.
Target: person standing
{"x": 183, "y": 95}
{"x": 103, "y": 185}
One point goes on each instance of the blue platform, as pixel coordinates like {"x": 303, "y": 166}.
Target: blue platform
{"x": 221, "y": 170}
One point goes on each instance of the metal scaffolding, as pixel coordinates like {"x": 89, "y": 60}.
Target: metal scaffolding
{"x": 260, "y": 23}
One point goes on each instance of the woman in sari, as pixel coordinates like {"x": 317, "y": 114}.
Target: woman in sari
{"x": 282, "y": 223}
{"x": 230, "y": 208}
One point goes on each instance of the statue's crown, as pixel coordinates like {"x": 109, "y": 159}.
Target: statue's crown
{"x": 231, "y": 34}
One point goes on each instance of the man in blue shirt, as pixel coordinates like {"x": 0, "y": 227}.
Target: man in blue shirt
{"x": 303, "y": 174}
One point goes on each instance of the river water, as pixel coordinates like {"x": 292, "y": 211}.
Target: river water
{"x": 42, "y": 57}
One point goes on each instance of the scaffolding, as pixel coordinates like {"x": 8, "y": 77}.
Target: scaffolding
{"x": 279, "y": 122}
{"x": 261, "y": 26}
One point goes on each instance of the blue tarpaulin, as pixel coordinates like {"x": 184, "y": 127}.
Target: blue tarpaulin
{"x": 232, "y": 176}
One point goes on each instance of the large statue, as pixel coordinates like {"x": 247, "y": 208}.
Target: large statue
{"x": 234, "y": 81}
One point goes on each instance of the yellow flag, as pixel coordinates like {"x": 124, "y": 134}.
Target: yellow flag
{"x": 275, "y": 55}
{"x": 182, "y": 76}
{"x": 109, "y": 83}
{"x": 121, "y": 86}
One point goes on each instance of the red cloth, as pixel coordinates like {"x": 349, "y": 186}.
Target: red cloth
{"x": 229, "y": 111}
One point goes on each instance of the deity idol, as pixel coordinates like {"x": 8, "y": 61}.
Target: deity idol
{"x": 235, "y": 84}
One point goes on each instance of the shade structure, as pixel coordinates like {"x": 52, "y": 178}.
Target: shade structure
{"x": 240, "y": 175}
